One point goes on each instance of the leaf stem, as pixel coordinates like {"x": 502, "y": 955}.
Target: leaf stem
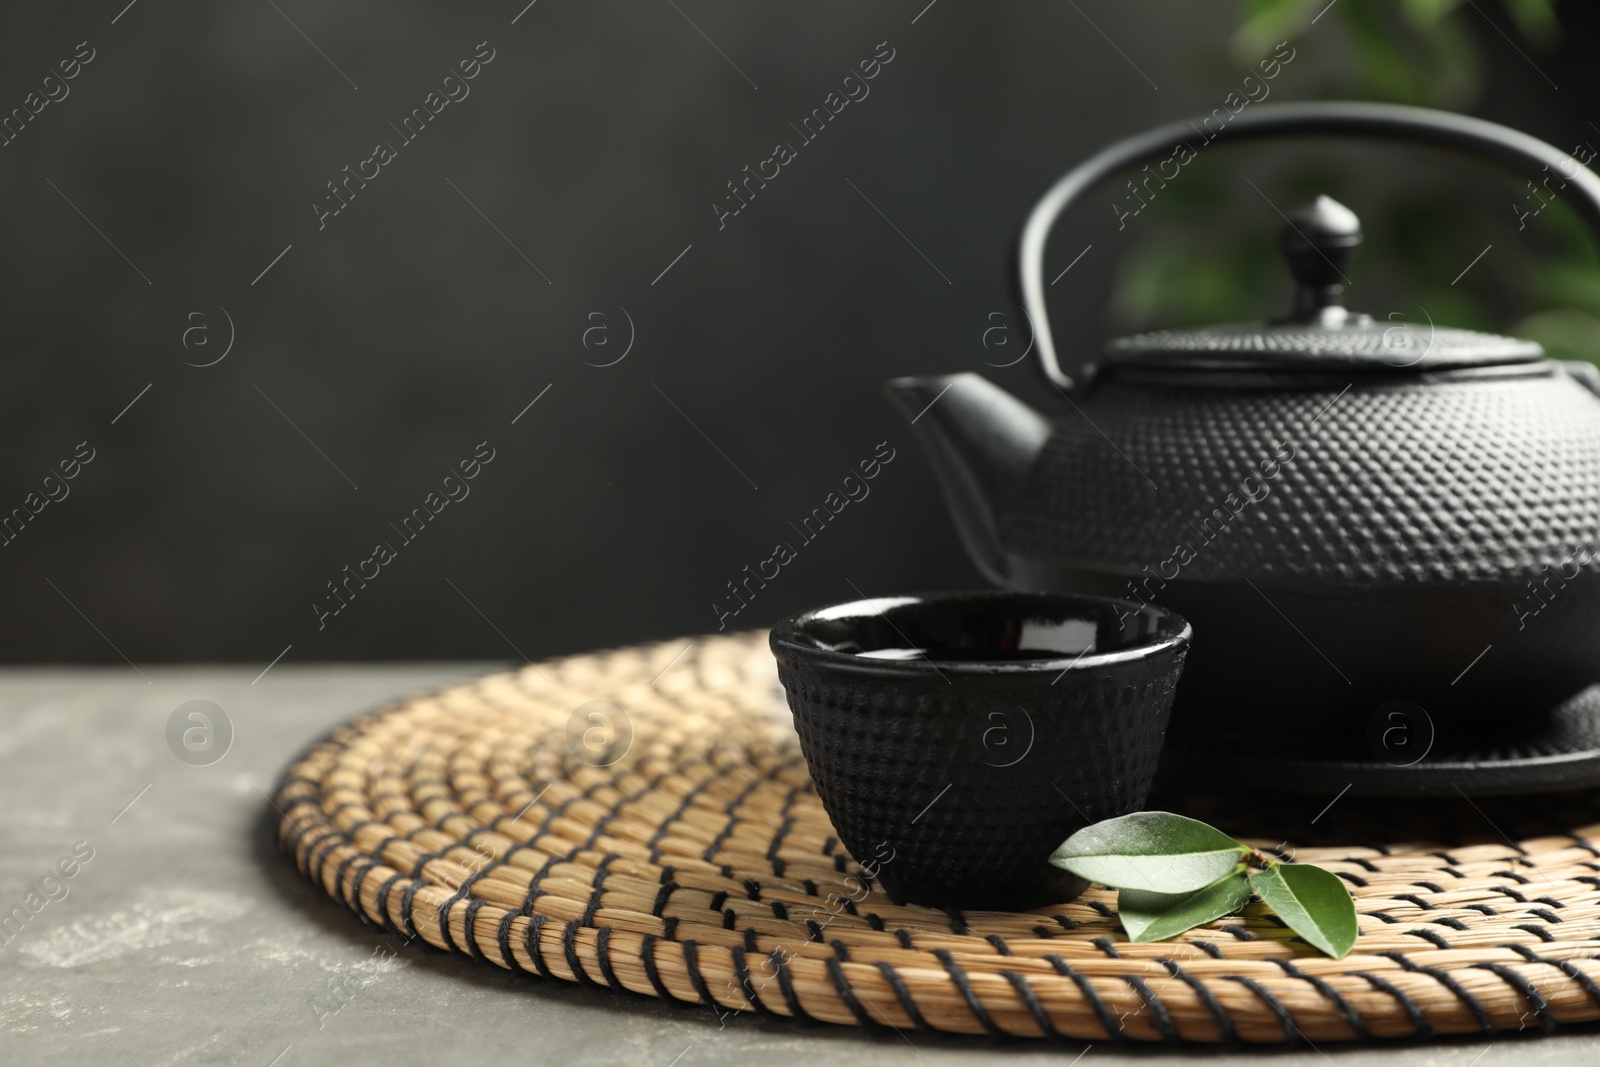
{"x": 1258, "y": 859}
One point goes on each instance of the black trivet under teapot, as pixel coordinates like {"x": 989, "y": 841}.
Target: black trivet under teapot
{"x": 1386, "y": 536}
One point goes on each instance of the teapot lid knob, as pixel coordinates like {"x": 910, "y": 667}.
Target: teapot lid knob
{"x": 1320, "y": 240}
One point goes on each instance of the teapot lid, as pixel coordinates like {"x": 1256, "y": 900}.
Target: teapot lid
{"x": 1319, "y": 241}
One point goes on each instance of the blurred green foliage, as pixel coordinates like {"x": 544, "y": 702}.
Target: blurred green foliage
{"x": 1207, "y": 247}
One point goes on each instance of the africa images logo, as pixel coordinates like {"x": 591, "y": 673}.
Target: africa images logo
{"x": 855, "y": 90}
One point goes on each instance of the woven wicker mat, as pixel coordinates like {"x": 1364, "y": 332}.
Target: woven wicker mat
{"x": 697, "y": 864}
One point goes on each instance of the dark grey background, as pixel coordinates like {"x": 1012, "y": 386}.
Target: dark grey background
{"x": 409, "y": 330}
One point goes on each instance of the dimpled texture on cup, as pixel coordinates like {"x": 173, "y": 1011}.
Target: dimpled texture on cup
{"x": 961, "y": 789}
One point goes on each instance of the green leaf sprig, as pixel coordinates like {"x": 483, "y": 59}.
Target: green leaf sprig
{"x": 1174, "y": 873}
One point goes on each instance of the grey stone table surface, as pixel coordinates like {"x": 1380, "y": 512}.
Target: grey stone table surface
{"x": 183, "y": 937}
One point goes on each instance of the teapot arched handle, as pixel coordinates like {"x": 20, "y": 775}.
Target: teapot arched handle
{"x": 1517, "y": 151}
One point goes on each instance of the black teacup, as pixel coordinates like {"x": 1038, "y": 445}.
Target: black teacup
{"x": 956, "y": 739}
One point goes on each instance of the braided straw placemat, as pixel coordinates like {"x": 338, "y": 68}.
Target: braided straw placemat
{"x": 642, "y": 819}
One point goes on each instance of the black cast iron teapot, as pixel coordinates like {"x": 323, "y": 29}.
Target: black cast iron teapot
{"x": 1351, "y": 511}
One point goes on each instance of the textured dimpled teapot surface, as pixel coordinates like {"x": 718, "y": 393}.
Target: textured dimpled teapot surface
{"x": 1352, "y": 511}
{"x": 1360, "y": 479}
{"x": 1361, "y": 345}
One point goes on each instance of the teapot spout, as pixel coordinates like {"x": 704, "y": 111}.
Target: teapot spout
{"x": 982, "y": 442}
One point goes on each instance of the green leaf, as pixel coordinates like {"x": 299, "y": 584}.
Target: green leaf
{"x": 1313, "y": 902}
{"x": 1155, "y": 851}
{"x": 1158, "y": 916}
